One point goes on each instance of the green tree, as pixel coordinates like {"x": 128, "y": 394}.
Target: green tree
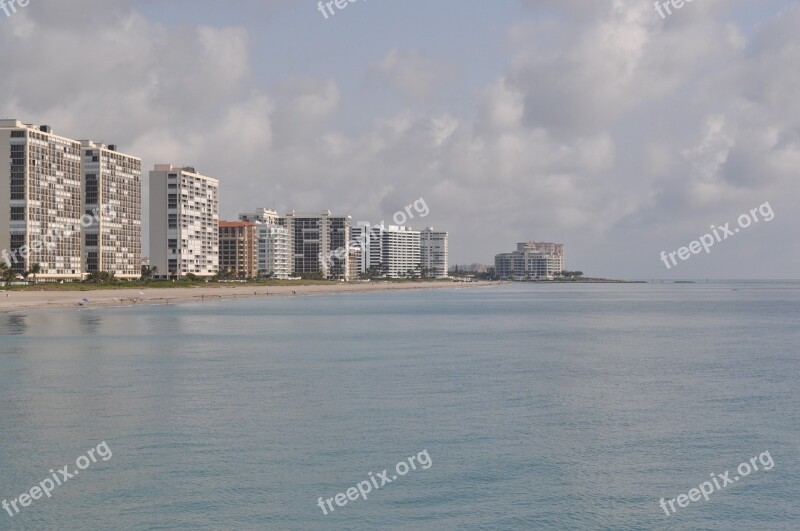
{"x": 7, "y": 275}
{"x": 35, "y": 270}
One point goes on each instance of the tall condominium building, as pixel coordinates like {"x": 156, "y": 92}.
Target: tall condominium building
{"x": 184, "y": 222}
{"x": 396, "y": 251}
{"x": 433, "y": 253}
{"x": 369, "y": 240}
{"x": 238, "y": 248}
{"x": 400, "y": 251}
{"x": 273, "y": 242}
{"x": 531, "y": 261}
{"x": 273, "y": 251}
{"x": 112, "y": 183}
{"x": 355, "y": 253}
{"x": 41, "y": 201}
{"x": 318, "y": 244}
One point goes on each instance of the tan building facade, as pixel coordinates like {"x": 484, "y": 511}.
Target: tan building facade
{"x": 238, "y": 248}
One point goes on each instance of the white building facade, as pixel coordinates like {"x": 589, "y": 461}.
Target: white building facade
{"x": 41, "y": 201}
{"x": 112, "y": 182}
{"x": 273, "y": 251}
{"x": 184, "y": 222}
{"x": 433, "y": 253}
{"x": 531, "y": 261}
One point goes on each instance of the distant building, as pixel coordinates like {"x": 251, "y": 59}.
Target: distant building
{"x": 531, "y": 261}
{"x": 315, "y": 241}
{"x": 433, "y": 253}
{"x": 41, "y": 201}
{"x": 274, "y": 255}
{"x": 355, "y": 262}
{"x": 184, "y": 222}
{"x": 400, "y": 252}
{"x": 273, "y": 251}
{"x": 262, "y": 215}
{"x": 112, "y": 181}
{"x": 238, "y": 249}
{"x": 368, "y": 239}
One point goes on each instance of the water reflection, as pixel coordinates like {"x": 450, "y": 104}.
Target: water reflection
{"x": 13, "y": 325}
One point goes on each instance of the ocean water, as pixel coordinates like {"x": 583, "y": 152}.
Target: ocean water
{"x": 539, "y": 406}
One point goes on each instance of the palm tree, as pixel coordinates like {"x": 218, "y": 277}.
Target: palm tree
{"x": 7, "y": 274}
{"x": 35, "y": 270}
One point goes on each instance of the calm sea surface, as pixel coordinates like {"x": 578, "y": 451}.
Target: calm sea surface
{"x": 540, "y": 406}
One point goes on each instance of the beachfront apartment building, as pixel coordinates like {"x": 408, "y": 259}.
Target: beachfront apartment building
{"x": 184, "y": 222}
{"x": 393, "y": 251}
{"x": 41, "y": 201}
{"x": 273, "y": 251}
{"x": 400, "y": 252}
{"x": 531, "y": 261}
{"x": 274, "y": 257}
{"x": 433, "y": 253}
{"x": 238, "y": 249}
{"x": 354, "y": 264}
{"x": 315, "y": 241}
{"x": 112, "y": 191}
{"x": 368, "y": 239}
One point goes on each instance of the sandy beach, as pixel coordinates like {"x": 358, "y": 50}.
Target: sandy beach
{"x": 12, "y": 301}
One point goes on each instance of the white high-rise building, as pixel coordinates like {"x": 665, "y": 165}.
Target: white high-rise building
{"x": 400, "y": 251}
{"x": 274, "y": 254}
{"x": 184, "y": 222}
{"x": 393, "y": 251}
{"x": 112, "y": 182}
{"x": 273, "y": 251}
{"x": 367, "y": 238}
{"x": 41, "y": 201}
{"x": 433, "y": 253}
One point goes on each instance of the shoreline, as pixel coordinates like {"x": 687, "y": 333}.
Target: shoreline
{"x": 22, "y": 301}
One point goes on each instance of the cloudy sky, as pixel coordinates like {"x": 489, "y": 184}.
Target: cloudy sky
{"x": 596, "y": 123}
